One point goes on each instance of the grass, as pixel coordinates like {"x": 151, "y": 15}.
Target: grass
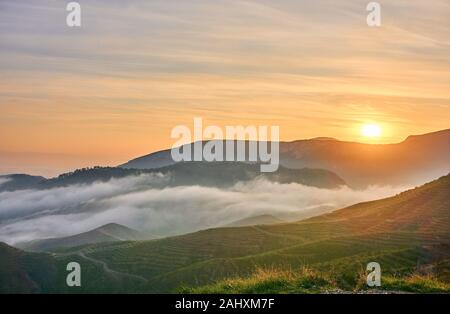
{"x": 307, "y": 281}
{"x": 268, "y": 281}
{"x": 416, "y": 283}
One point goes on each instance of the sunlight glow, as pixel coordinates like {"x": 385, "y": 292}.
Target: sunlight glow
{"x": 371, "y": 130}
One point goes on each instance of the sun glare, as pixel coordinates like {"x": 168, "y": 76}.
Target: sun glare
{"x": 371, "y": 130}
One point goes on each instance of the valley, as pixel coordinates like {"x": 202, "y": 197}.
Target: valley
{"x": 408, "y": 234}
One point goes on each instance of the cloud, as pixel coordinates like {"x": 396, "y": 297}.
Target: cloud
{"x": 28, "y": 215}
{"x": 4, "y": 180}
{"x": 262, "y": 62}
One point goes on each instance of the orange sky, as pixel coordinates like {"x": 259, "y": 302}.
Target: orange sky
{"x": 113, "y": 89}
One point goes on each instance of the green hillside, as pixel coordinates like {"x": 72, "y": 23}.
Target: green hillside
{"x": 255, "y": 220}
{"x": 407, "y": 234}
{"x": 22, "y": 272}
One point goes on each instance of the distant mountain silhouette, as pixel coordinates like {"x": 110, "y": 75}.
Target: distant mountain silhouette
{"x": 418, "y": 159}
{"x": 414, "y": 161}
{"x": 108, "y": 233}
{"x": 222, "y": 174}
{"x": 217, "y": 174}
{"x": 20, "y": 181}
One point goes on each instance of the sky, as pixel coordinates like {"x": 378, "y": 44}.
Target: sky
{"x": 114, "y": 88}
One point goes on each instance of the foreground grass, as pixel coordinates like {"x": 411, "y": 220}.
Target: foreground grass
{"x": 268, "y": 281}
{"x": 416, "y": 284}
{"x": 307, "y": 281}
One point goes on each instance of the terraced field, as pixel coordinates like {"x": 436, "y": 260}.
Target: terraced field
{"x": 406, "y": 233}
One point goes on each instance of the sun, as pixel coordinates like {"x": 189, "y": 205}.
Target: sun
{"x": 371, "y": 130}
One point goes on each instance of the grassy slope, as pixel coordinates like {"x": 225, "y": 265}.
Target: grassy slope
{"x": 255, "y": 220}
{"x": 406, "y": 234}
{"x": 22, "y": 272}
{"x": 309, "y": 281}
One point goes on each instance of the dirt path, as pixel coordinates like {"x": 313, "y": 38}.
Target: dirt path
{"x": 106, "y": 268}
{"x": 111, "y": 271}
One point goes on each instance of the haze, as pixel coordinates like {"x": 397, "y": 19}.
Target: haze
{"x": 114, "y": 88}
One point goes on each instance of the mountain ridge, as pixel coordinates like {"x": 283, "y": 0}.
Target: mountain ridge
{"x": 219, "y": 174}
{"x": 359, "y": 164}
{"x": 110, "y": 232}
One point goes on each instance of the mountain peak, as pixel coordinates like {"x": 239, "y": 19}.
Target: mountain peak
{"x": 323, "y": 138}
{"x": 107, "y": 233}
{"x": 429, "y": 136}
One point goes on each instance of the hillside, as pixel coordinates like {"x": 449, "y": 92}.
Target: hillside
{"x": 107, "y": 233}
{"x": 224, "y": 174}
{"x": 358, "y": 164}
{"x": 22, "y": 272}
{"x": 407, "y": 234}
{"x": 255, "y": 220}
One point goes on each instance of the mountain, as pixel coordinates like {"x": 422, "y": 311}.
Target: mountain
{"x": 19, "y": 181}
{"x": 416, "y": 160}
{"x": 80, "y": 176}
{"x": 154, "y": 160}
{"x": 407, "y": 234}
{"x": 255, "y": 220}
{"x": 218, "y": 174}
{"x": 223, "y": 174}
{"x": 108, "y": 233}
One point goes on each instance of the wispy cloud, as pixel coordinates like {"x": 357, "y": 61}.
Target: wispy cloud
{"x": 137, "y": 68}
{"x": 28, "y": 215}
{"x": 4, "y": 180}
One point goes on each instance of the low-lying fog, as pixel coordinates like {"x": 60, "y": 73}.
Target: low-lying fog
{"x": 33, "y": 214}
